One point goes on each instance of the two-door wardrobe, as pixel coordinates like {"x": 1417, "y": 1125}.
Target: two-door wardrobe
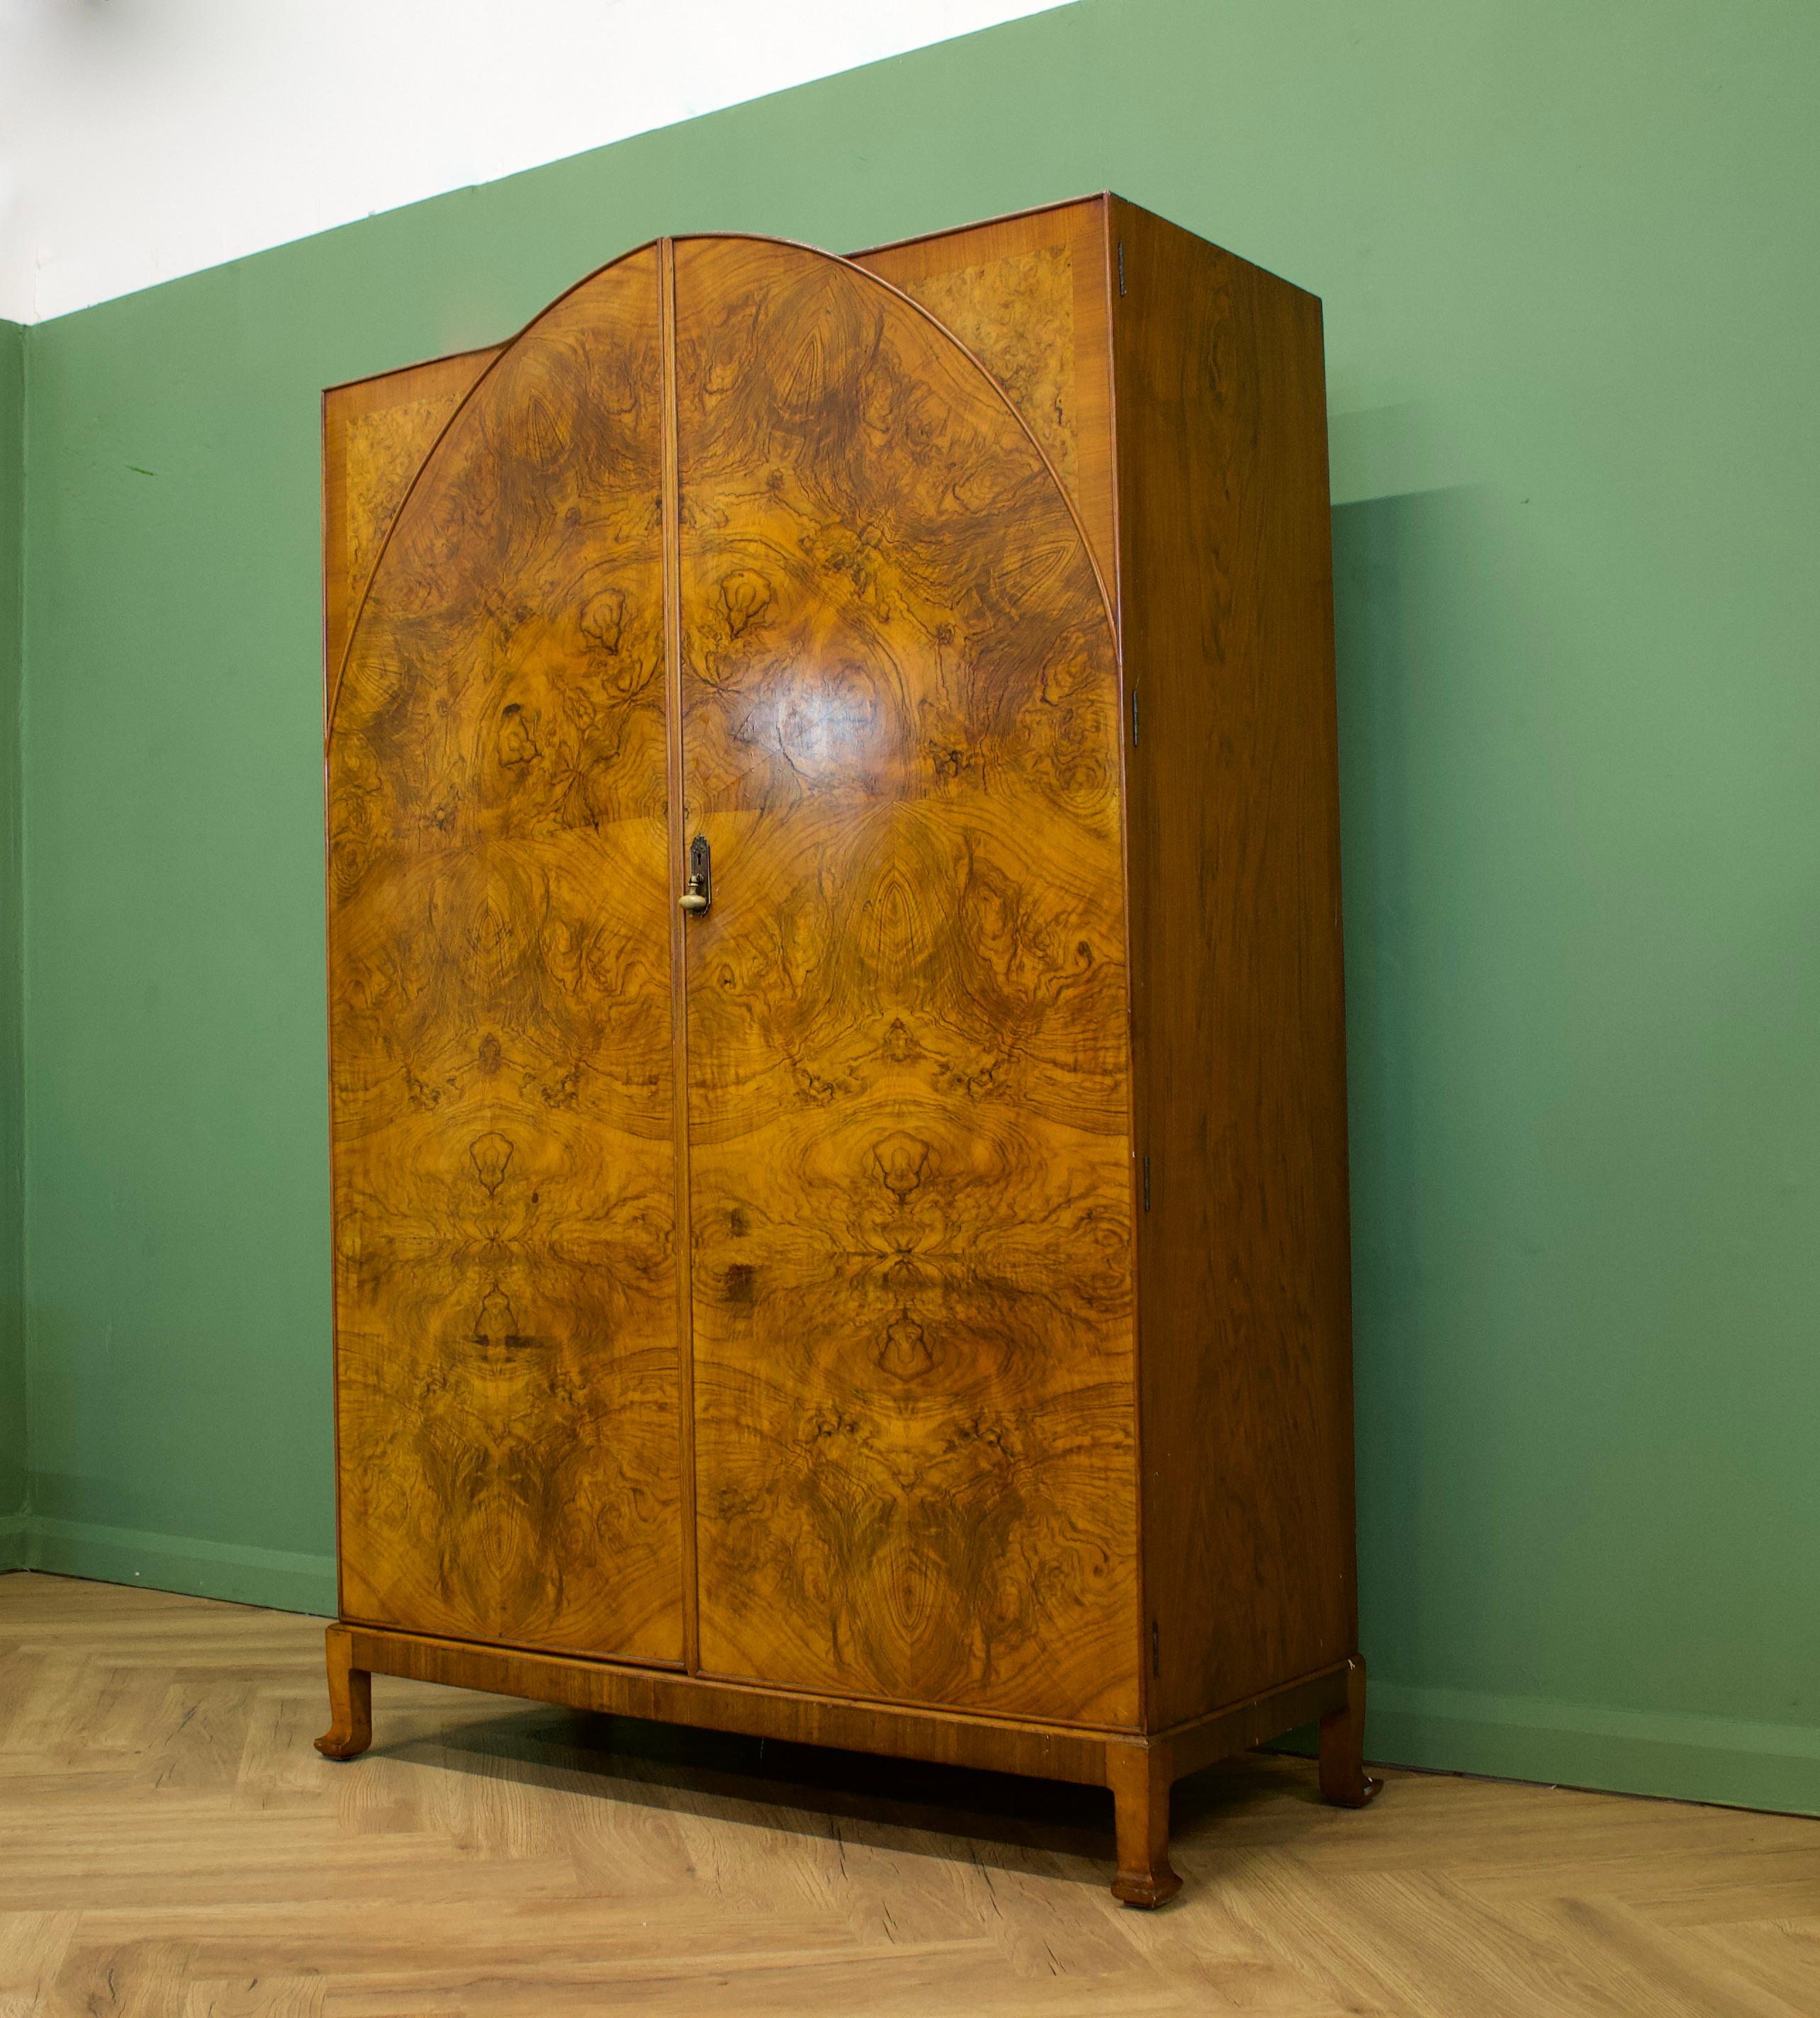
{"x": 838, "y": 1072}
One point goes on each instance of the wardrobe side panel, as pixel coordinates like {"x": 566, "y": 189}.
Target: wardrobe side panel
{"x": 375, "y": 434}
{"x": 502, "y": 1090}
{"x": 1027, "y": 296}
{"x": 1244, "y": 1296}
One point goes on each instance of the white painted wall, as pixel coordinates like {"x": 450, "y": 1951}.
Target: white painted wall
{"x": 143, "y": 139}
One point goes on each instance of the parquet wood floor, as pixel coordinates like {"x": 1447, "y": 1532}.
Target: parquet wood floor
{"x": 171, "y": 1846}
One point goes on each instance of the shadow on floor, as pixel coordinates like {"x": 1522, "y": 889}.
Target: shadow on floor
{"x": 1006, "y": 1821}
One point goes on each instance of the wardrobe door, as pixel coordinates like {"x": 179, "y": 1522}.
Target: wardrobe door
{"x": 908, "y": 1143}
{"x": 500, "y": 917}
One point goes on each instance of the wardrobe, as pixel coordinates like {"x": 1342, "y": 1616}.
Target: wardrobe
{"x": 837, "y": 1084}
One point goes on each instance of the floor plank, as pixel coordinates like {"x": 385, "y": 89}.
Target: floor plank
{"x": 172, "y": 1847}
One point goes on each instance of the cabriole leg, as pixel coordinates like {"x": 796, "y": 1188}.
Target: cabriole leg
{"x": 1343, "y": 1779}
{"x": 1139, "y": 1775}
{"x": 350, "y": 1700}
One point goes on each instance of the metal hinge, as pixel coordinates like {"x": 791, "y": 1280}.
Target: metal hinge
{"x": 1121, "y": 265}
{"x": 1146, "y": 1184}
{"x": 1134, "y": 717}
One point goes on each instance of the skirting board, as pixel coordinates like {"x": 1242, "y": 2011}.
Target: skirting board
{"x": 231, "y": 1570}
{"x": 1725, "y": 1760}
{"x": 1736, "y": 1764}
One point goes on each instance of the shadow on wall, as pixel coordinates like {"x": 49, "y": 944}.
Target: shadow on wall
{"x": 1411, "y": 625}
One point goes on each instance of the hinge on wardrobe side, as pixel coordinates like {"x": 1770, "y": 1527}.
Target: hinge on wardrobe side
{"x": 1134, "y": 717}
{"x": 1146, "y": 1184}
{"x": 1121, "y": 265}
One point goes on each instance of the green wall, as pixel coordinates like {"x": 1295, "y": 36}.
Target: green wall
{"x": 13, "y": 1495}
{"x": 1568, "y": 259}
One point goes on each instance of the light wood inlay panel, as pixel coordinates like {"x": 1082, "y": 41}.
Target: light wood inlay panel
{"x": 376, "y": 433}
{"x": 171, "y": 1847}
{"x": 386, "y": 447}
{"x": 1016, "y": 315}
{"x": 500, "y": 917}
{"x": 1027, "y": 296}
{"x": 908, "y": 1141}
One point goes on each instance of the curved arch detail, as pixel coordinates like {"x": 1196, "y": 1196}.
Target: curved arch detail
{"x": 909, "y": 1141}
{"x": 869, "y": 632}
{"x": 501, "y": 1079}
{"x": 834, "y": 259}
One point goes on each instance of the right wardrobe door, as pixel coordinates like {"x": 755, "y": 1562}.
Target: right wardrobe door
{"x": 908, "y": 1126}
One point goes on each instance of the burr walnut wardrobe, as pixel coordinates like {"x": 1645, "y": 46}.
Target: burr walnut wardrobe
{"x": 838, "y": 1083}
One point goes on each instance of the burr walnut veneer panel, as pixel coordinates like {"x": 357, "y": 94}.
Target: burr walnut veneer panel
{"x": 901, "y": 1290}
{"x": 909, "y": 1142}
{"x": 376, "y": 435}
{"x": 1027, "y": 296}
{"x": 499, "y": 908}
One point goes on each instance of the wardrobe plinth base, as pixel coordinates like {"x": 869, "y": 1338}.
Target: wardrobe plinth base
{"x": 1138, "y": 1771}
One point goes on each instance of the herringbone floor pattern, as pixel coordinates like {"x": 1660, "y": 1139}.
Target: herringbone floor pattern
{"x": 171, "y": 1846}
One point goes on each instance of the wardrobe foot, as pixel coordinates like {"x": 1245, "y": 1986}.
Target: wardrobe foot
{"x": 1344, "y": 1781}
{"x": 1139, "y": 1775}
{"x": 350, "y": 1700}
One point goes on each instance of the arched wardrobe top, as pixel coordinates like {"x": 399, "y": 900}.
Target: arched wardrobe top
{"x": 835, "y": 1025}
{"x": 1025, "y": 295}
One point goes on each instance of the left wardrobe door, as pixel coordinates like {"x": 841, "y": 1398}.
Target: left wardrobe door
{"x": 501, "y": 1088}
